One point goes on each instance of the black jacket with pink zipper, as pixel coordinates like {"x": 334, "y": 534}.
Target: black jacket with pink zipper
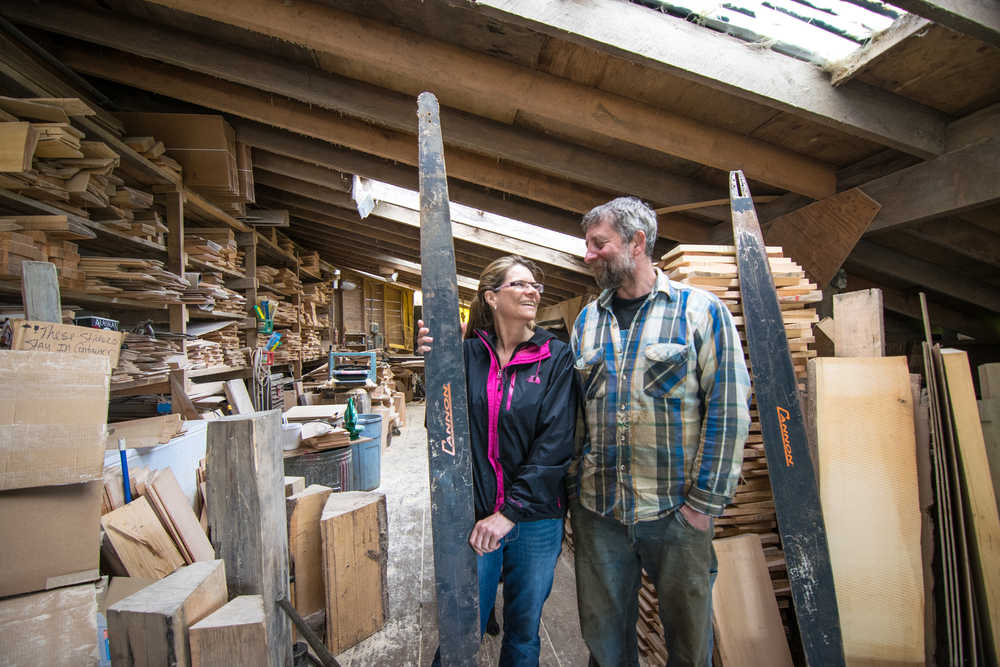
{"x": 522, "y": 420}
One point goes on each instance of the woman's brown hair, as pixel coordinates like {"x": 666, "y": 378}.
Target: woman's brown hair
{"x": 492, "y": 277}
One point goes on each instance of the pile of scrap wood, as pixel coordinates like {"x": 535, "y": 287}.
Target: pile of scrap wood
{"x": 144, "y": 359}
{"x": 215, "y": 246}
{"x": 144, "y": 279}
{"x": 281, "y": 280}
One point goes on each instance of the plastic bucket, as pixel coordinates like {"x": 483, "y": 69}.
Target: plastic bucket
{"x": 367, "y": 458}
{"x": 331, "y": 467}
{"x": 290, "y": 435}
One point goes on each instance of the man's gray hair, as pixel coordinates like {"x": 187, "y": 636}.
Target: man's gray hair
{"x": 628, "y": 215}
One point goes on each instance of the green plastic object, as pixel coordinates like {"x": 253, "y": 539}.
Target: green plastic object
{"x": 351, "y": 420}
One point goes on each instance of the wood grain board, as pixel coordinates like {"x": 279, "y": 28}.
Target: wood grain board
{"x": 234, "y": 634}
{"x": 980, "y": 506}
{"x": 745, "y": 613}
{"x": 305, "y": 547}
{"x": 869, "y": 490}
{"x": 354, "y": 530}
{"x": 140, "y": 541}
{"x": 181, "y": 515}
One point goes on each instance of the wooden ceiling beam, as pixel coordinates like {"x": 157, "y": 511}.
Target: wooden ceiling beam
{"x": 330, "y": 126}
{"x": 976, "y": 18}
{"x": 348, "y": 161}
{"x": 497, "y": 88}
{"x": 407, "y": 216}
{"x": 303, "y": 171}
{"x": 363, "y": 101}
{"x": 941, "y": 316}
{"x": 875, "y": 258}
{"x": 962, "y": 179}
{"x": 650, "y": 39}
{"x": 961, "y": 237}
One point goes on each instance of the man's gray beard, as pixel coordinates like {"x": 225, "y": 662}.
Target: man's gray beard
{"x": 614, "y": 273}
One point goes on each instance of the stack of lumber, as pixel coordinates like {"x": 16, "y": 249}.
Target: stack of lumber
{"x": 228, "y": 337}
{"x": 215, "y": 246}
{"x": 714, "y": 269}
{"x": 309, "y": 315}
{"x": 16, "y": 248}
{"x": 281, "y": 280}
{"x": 317, "y": 293}
{"x": 225, "y": 300}
{"x": 155, "y": 152}
{"x": 52, "y": 236}
{"x": 310, "y": 262}
{"x": 205, "y": 354}
{"x": 144, "y": 279}
{"x": 311, "y": 344}
{"x": 290, "y": 348}
{"x": 146, "y": 359}
{"x": 286, "y": 313}
{"x": 285, "y": 243}
{"x": 58, "y": 140}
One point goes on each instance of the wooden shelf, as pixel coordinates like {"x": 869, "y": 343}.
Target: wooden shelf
{"x": 219, "y": 370}
{"x": 195, "y": 314}
{"x": 309, "y": 276}
{"x": 206, "y": 210}
{"x": 270, "y": 253}
{"x": 72, "y": 297}
{"x": 137, "y": 166}
{"x": 139, "y": 387}
{"x": 205, "y": 266}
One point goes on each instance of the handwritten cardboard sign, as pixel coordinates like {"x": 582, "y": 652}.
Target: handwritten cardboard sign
{"x": 51, "y": 337}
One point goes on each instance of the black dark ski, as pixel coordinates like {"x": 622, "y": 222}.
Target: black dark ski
{"x": 452, "y": 513}
{"x": 793, "y": 482}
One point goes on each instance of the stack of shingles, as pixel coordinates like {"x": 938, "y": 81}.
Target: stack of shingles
{"x": 144, "y": 279}
{"x": 145, "y": 358}
{"x": 226, "y": 300}
{"x": 155, "y": 152}
{"x": 228, "y": 337}
{"x": 215, "y": 246}
{"x": 204, "y": 354}
{"x": 713, "y": 268}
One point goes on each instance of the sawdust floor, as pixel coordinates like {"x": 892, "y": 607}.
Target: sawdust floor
{"x": 410, "y": 634}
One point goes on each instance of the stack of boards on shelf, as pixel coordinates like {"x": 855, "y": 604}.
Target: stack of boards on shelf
{"x": 215, "y": 246}
{"x": 42, "y": 238}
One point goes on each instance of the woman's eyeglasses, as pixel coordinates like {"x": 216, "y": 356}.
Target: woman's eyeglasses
{"x": 522, "y": 285}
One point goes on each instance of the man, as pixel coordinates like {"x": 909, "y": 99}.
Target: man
{"x": 666, "y": 412}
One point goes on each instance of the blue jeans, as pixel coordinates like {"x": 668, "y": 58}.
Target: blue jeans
{"x": 527, "y": 560}
{"x": 610, "y": 557}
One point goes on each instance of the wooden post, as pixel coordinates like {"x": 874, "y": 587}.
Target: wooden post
{"x": 149, "y": 628}
{"x": 245, "y": 495}
{"x": 40, "y": 292}
{"x": 859, "y": 330}
{"x": 232, "y": 635}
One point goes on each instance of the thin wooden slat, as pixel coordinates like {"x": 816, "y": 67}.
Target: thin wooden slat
{"x": 749, "y": 631}
{"x": 181, "y": 515}
{"x": 870, "y": 494}
{"x": 980, "y": 507}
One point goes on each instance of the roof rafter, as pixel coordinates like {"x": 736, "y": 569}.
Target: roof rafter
{"x": 977, "y": 18}
{"x": 498, "y": 88}
{"x": 624, "y": 29}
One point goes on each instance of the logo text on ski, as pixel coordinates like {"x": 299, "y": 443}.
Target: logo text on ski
{"x": 783, "y": 416}
{"x": 448, "y": 444}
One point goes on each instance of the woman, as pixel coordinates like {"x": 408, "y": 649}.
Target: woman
{"x": 522, "y": 418}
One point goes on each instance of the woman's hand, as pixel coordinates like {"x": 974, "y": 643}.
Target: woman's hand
{"x": 488, "y": 532}
{"x": 423, "y": 340}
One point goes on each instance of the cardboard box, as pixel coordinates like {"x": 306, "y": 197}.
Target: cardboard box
{"x": 55, "y": 628}
{"x": 204, "y": 144}
{"x": 50, "y": 537}
{"x": 53, "y": 417}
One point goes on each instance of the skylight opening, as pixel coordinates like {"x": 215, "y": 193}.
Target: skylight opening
{"x": 817, "y": 31}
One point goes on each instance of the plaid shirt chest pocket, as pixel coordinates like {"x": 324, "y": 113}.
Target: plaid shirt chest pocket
{"x": 593, "y": 374}
{"x": 665, "y": 369}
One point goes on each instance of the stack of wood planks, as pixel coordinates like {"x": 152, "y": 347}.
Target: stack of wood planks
{"x": 317, "y": 293}
{"x": 312, "y": 347}
{"x": 224, "y": 299}
{"x": 283, "y": 311}
{"x": 310, "y": 262}
{"x": 283, "y": 280}
{"x": 204, "y": 354}
{"x": 144, "y": 279}
{"x": 144, "y": 359}
{"x": 290, "y": 348}
{"x": 228, "y": 338}
{"x": 285, "y": 243}
{"x": 52, "y": 239}
{"x": 215, "y": 246}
